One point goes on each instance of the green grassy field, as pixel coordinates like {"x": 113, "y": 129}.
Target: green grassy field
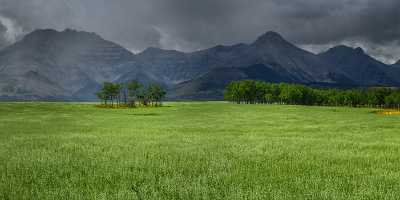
{"x": 197, "y": 151}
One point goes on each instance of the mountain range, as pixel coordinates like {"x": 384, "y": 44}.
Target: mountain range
{"x": 71, "y": 65}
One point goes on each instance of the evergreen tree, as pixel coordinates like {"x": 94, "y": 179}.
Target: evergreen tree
{"x": 254, "y": 92}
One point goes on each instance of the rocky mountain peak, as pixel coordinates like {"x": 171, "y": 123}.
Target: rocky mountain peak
{"x": 270, "y": 37}
{"x": 67, "y": 43}
{"x": 359, "y": 50}
{"x": 42, "y": 35}
{"x": 343, "y": 50}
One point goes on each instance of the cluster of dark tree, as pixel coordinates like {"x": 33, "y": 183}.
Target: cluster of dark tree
{"x": 258, "y": 92}
{"x": 131, "y": 94}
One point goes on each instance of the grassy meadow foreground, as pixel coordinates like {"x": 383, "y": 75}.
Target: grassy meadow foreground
{"x": 211, "y": 150}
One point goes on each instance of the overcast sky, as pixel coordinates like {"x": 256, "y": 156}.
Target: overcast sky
{"x": 189, "y": 25}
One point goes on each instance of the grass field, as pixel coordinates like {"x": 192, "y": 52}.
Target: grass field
{"x": 197, "y": 151}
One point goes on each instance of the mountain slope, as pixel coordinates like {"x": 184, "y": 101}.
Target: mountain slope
{"x": 394, "y": 72}
{"x": 211, "y": 85}
{"x": 397, "y": 64}
{"x": 269, "y": 49}
{"x": 360, "y": 67}
{"x": 49, "y": 64}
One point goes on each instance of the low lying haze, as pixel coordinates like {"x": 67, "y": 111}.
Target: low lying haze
{"x": 189, "y": 25}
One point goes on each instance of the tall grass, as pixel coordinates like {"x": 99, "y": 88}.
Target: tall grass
{"x": 197, "y": 151}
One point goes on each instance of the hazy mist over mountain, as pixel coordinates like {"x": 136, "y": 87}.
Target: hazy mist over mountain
{"x": 192, "y": 25}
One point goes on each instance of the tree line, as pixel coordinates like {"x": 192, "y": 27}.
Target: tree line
{"x": 259, "y": 92}
{"x": 130, "y": 94}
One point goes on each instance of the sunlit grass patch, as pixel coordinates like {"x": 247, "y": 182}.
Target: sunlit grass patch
{"x": 389, "y": 112}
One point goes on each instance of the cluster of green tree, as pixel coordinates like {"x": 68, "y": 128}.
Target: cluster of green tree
{"x": 131, "y": 94}
{"x": 258, "y": 92}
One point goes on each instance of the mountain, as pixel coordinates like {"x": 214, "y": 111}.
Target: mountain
{"x": 270, "y": 58}
{"x": 270, "y": 49}
{"x": 47, "y": 64}
{"x": 360, "y": 67}
{"x": 72, "y": 65}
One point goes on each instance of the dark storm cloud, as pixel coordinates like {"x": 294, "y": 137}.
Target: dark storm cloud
{"x": 10, "y": 31}
{"x": 3, "y": 40}
{"x": 191, "y": 24}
